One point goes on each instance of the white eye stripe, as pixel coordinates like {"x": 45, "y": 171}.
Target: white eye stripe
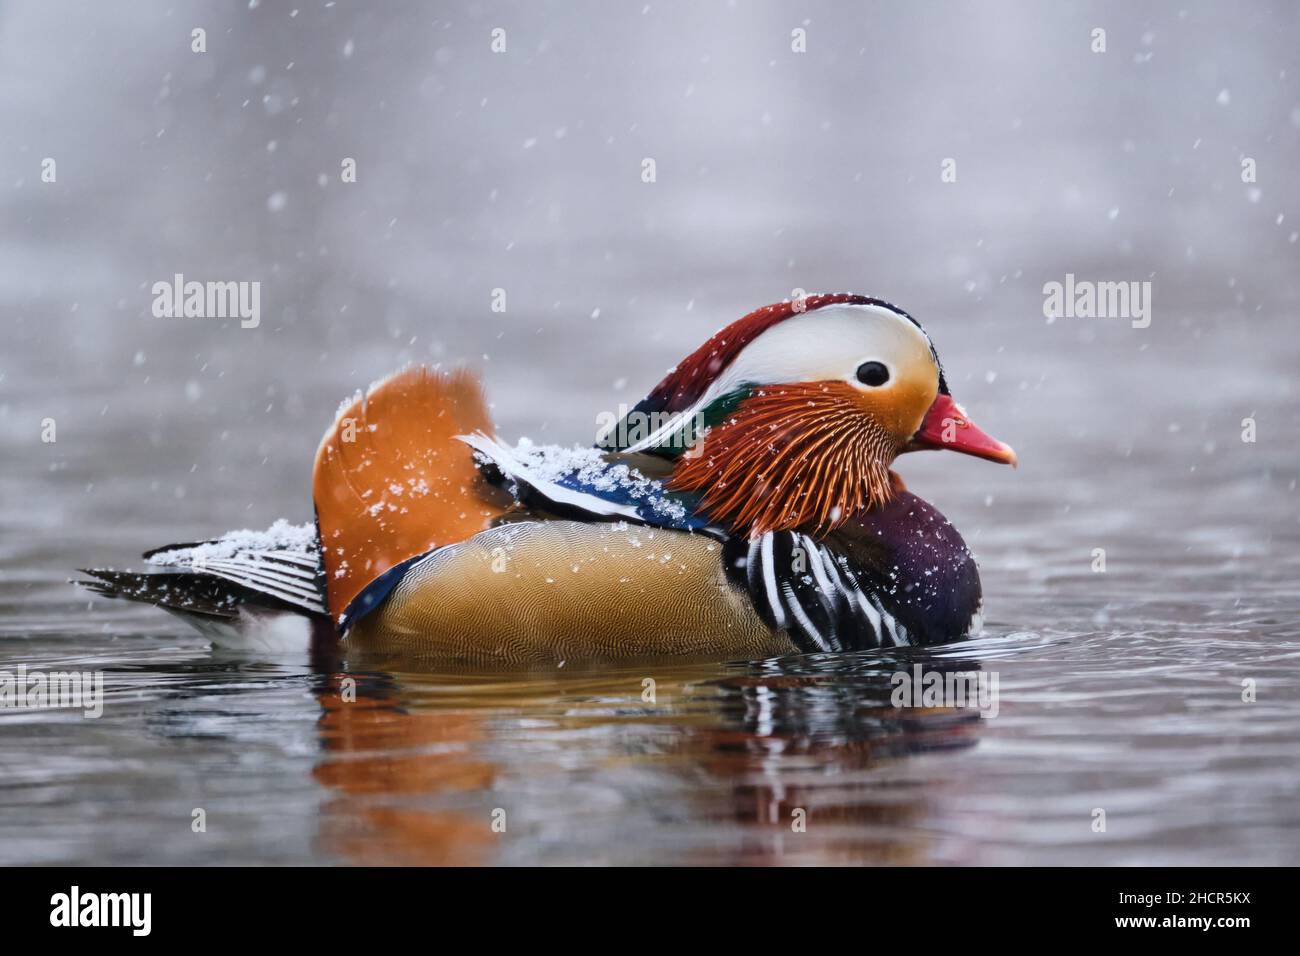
{"x": 815, "y": 346}
{"x": 819, "y": 345}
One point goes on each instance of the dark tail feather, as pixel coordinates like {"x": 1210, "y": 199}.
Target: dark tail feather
{"x": 185, "y": 591}
{"x": 252, "y": 589}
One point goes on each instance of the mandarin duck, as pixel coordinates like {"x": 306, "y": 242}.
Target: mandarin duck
{"x": 746, "y": 508}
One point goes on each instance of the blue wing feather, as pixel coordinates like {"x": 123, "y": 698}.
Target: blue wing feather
{"x": 583, "y": 482}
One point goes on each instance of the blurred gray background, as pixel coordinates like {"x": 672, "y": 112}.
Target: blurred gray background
{"x": 521, "y": 170}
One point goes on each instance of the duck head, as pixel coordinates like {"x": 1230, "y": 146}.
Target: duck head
{"x": 791, "y": 416}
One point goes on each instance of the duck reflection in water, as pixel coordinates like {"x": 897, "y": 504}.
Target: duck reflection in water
{"x": 788, "y": 760}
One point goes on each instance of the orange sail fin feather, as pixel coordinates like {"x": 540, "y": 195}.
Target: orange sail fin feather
{"x": 392, "y": 480}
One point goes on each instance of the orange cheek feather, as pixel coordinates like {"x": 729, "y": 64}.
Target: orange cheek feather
{"x": 899, "y": 410}
{"x": 806, "y": 455}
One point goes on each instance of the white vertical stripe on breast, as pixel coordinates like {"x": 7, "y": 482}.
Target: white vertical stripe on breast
{"x": 769, "y": 581}
{"x": 861, "y": 600}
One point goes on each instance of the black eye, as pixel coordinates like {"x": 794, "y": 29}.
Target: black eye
{"x": 873, "y": 373}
